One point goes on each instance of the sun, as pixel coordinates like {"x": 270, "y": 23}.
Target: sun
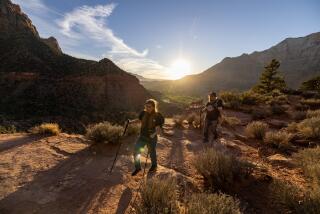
{"x": 179, "y": 68}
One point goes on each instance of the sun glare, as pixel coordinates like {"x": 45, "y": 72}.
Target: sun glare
{"x": 179, "y": 69}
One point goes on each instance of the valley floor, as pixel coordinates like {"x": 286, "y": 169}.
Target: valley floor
{"x": 63, "y": 174}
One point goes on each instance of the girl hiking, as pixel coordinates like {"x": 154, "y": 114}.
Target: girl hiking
{"x": 151, "y": 125}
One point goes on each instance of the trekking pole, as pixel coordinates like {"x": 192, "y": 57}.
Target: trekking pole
{"x": 119, "y": 146}
{"x": 140, "y": 185}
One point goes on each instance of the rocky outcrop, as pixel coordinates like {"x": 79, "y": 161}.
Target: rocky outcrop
{"x": 38, "y": 79}
{"x": 299, "y": 58}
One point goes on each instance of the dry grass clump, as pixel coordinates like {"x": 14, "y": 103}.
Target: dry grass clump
{"x": 231, "y": 99}
{"x": 8, "y": 129}
{"x": 309, "y": 161}
{"x": 256, "y": 129}
{"x": 312, "y": 103}
{"x": 178, "y": 121}
{"x": 157, "y": 196}
{"x": 309, "y": 128}
{"x": 133, "y": 129}
{"x": 218, "y": 168}
{"x": 104, "y": 132}
{"x": 314, "y": 113}
{"x": 230, "y": 121}
{"x": 294, "y": 199}
{"x": 212, "y": 203}
{"x": 280, "y": 139}
{"x": 46, "y": 129}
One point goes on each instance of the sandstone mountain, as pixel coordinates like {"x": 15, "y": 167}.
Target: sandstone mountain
{"x": 299, "y": 58}
{"x": 38, "y": 79}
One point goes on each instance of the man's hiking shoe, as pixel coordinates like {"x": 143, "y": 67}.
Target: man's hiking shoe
{"x": 136, "y": 171}
{"x": 153, "y": 169}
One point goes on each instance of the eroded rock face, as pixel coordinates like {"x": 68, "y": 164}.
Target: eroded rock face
{"x": 38, "y": 79}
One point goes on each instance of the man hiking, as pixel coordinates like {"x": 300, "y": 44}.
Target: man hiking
{"x": 151, "y": 126}
{"x": 213, "y": 110}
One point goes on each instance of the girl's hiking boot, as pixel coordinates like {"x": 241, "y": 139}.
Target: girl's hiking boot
{"x": 136, "y": 171}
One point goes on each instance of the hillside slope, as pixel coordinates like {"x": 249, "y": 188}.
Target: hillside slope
{"x": 299, "y": 58}
{"x": 38, "y": 79}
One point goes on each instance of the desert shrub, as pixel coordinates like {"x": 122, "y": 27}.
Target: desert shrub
{"x": 231, "y": 99}
{"x": 315, "y": 113}
{"x": 277, "y": 109}
{"x": 8, "y": 129}
{"x": 133, "y": 129}
{"x": 196, "y": 122}
{"x": 251, "y": 98}
{"x": 46, "y": 129}
{"x": 218, "y": 168}
{"x": 281, "y": 138}
{"x": 158, "y": 197}
{"x": 230, "y": 121}
{"x": 104, "y": 132}
{"x": 309, "y": 128}
{"x": 298, "y": 115}
{"x": 178, "y": 121}
{"x": 256, "y": 129}
{"x": 212, "y": 203}
{"x": 309, "y": 161}
{"x": 300, "y": 107}
{"x": 294, "y": 198}
{"x": 292, "y": 127}
{"x": 312, "y": 103}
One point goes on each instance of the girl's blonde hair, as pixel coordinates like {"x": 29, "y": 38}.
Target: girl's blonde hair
{"x": 152, "y": 102}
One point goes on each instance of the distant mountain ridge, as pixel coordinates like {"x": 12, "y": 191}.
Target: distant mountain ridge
{"x": 38, "y": 79}
{"x": 299, "y": 58}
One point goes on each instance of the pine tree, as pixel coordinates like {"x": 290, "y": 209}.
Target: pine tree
{"x": 270, "y": 79}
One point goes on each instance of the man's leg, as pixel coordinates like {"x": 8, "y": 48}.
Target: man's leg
{"x": 205, "y": 131}
{"x": 214, "y": 126}
{"x": 153, "y": 153}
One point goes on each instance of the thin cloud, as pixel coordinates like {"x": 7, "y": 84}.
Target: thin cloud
{"x": 83, "y": 32}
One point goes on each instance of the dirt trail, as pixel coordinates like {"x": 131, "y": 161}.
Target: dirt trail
{"x": 62, "y": 174}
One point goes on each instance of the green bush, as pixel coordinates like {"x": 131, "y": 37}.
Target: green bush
{"x": 230, "y": 99}
{"x": 158, "y": 197}
{"x": 212, "y": 203}
{"x": 8, "y": 129}
{"x": 281, "y": 139}
{"x": 46, "y": 129}
{"x": 104, "y": 132}
{"x": 218, "y": 168}
{"x": 251, "y": 98}
{"x": 256, "y": 129}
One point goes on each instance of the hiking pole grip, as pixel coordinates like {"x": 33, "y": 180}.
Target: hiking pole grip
{"x": 119, "y": 146}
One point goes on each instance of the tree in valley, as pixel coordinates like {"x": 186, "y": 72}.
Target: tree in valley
{"x": 270, "y": 79}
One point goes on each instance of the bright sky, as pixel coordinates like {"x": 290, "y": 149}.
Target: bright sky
{"x": 170, "y": 38}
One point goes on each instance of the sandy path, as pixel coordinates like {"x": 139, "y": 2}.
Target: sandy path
{"x": 62, "y": 174}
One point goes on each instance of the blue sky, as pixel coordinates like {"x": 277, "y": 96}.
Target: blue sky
{"x": 148, "y": 36}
